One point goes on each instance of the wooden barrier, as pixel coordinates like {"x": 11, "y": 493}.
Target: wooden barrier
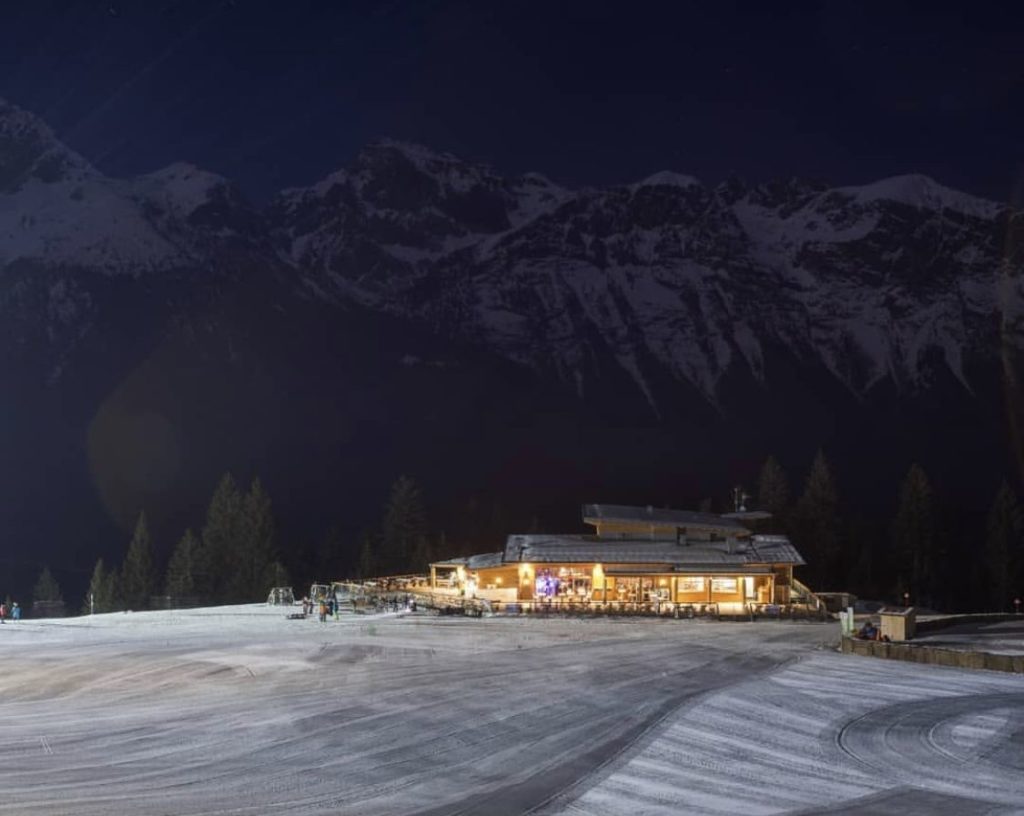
{"x": 934, "y": 655}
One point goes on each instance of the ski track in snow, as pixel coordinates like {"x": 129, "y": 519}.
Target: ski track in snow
{"x": 239, "y": 711}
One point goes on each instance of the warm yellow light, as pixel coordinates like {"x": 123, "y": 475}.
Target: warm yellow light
{"x": 663, "y": 582}
{"x": 498, "y": 580}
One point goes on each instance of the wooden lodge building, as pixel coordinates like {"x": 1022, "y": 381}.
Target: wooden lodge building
{"x": 637, "y": 555}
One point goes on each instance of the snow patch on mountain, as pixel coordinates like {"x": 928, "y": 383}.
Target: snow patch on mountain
{"x": 667, "y": 178}
{"x": 80, "y": 223}
{"x": 177, "y": 190}
{"x": 920, "y": 191}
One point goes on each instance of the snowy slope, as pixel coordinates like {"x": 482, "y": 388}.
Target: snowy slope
{"x": 237, "y": 710}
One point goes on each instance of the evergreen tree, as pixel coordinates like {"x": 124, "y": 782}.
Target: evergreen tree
{"x": 276, "y": 576}
{"x": 773, "y": 491}
{"x": 404, "y": 529}
{"x": 441, "y": 547}
{"x": 102, "y": 593}
{"x": 46, "y": 588}
{"x": 817, "y": 524}
{"x": 137, "y": 574}
{"x": 223, "y": 536}
{"x": 254, "y": 551}
{"x": 181, "y": 580}
{"x": 369, "y": 544}
{"x": 1003, "y": 544}
{"x": 914, "y": 540}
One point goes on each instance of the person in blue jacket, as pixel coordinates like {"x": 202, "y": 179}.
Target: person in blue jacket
{"x": 16, "y": 611}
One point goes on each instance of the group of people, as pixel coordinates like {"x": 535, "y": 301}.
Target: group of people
{"x": 328, "y": 607}
{"x": 12, "y": 613}
{"x": 324, "y": 607}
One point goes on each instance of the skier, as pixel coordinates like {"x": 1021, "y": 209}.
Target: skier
{"x": 16, "y": 612}
{"x": 3, "y": 612}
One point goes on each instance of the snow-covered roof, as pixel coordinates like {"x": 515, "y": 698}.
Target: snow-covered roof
{"x": 480, "y": 561}
{"x": 664, "y": 551}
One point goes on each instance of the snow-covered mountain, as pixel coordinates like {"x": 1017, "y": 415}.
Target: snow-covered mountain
{"x": 56, "y": 209}
{"x": 415, "y": 308}
{"x": 880, "y": 282}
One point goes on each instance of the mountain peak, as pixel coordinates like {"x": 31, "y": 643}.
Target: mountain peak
{"x": 180, "y": 188}
{"x": 29, "y": 149}
{"x": 923, "y": 192}
{"x": 411, "y": 150}
{"x": 667, "y": 178}
{"x": 15, "y": 120}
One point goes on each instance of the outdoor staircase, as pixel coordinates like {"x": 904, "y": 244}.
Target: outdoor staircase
{"x": 801, "y": 593}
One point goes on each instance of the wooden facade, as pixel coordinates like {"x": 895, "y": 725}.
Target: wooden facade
{"x": 637, "y": 556}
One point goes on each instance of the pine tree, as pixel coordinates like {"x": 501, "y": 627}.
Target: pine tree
{"x": 223, "y": 535}
{"x": 46, "y": 588}
{"x": 255, "y": 550}
{"x": 817, "y": 523}
{"x": 773, "y": 491}
{"x": 914, "y": 539}
{"x": 404, "y": 528}
{"x": 369, "y": 544}
{"x": 137, "y": 575}
{"x": 276, "y": 576}
{"x": 102, "y": 593}
{"x": 181, "y": 580}
{"x": 1003, "y": 544}
{"x": 441, "y": 548}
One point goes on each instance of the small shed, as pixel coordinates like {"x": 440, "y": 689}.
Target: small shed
{"x": 898, "y": 624}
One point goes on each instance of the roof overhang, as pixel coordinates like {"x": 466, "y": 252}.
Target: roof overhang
{"x": 690, "y": 569}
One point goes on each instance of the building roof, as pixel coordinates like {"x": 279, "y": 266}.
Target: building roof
{"x": 570, "y": 549}
{"x": 660, "y": 517}
{"x": 472, "y": 562}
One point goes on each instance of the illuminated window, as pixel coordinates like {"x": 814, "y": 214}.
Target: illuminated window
{"x": 691, "y": 584}
{"x": 723, "y": 584}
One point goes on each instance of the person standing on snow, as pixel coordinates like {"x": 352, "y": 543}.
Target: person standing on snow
{"x": 16, "y": 612}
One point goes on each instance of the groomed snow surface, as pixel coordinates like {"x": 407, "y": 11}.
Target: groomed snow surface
{"x": 238, "y": 710}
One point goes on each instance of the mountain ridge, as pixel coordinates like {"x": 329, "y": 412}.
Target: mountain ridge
{"x": 415, "y": 313}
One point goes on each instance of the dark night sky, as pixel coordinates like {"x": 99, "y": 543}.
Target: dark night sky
{"x": 279, "y": 94}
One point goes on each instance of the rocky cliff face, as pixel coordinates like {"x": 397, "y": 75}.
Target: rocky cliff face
{"x": 876, "y": 283}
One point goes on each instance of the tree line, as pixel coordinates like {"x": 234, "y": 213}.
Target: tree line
{"x": 919, "y": 553}
{"x": 234, "y": 558}
{"x": 938, "y": 554}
